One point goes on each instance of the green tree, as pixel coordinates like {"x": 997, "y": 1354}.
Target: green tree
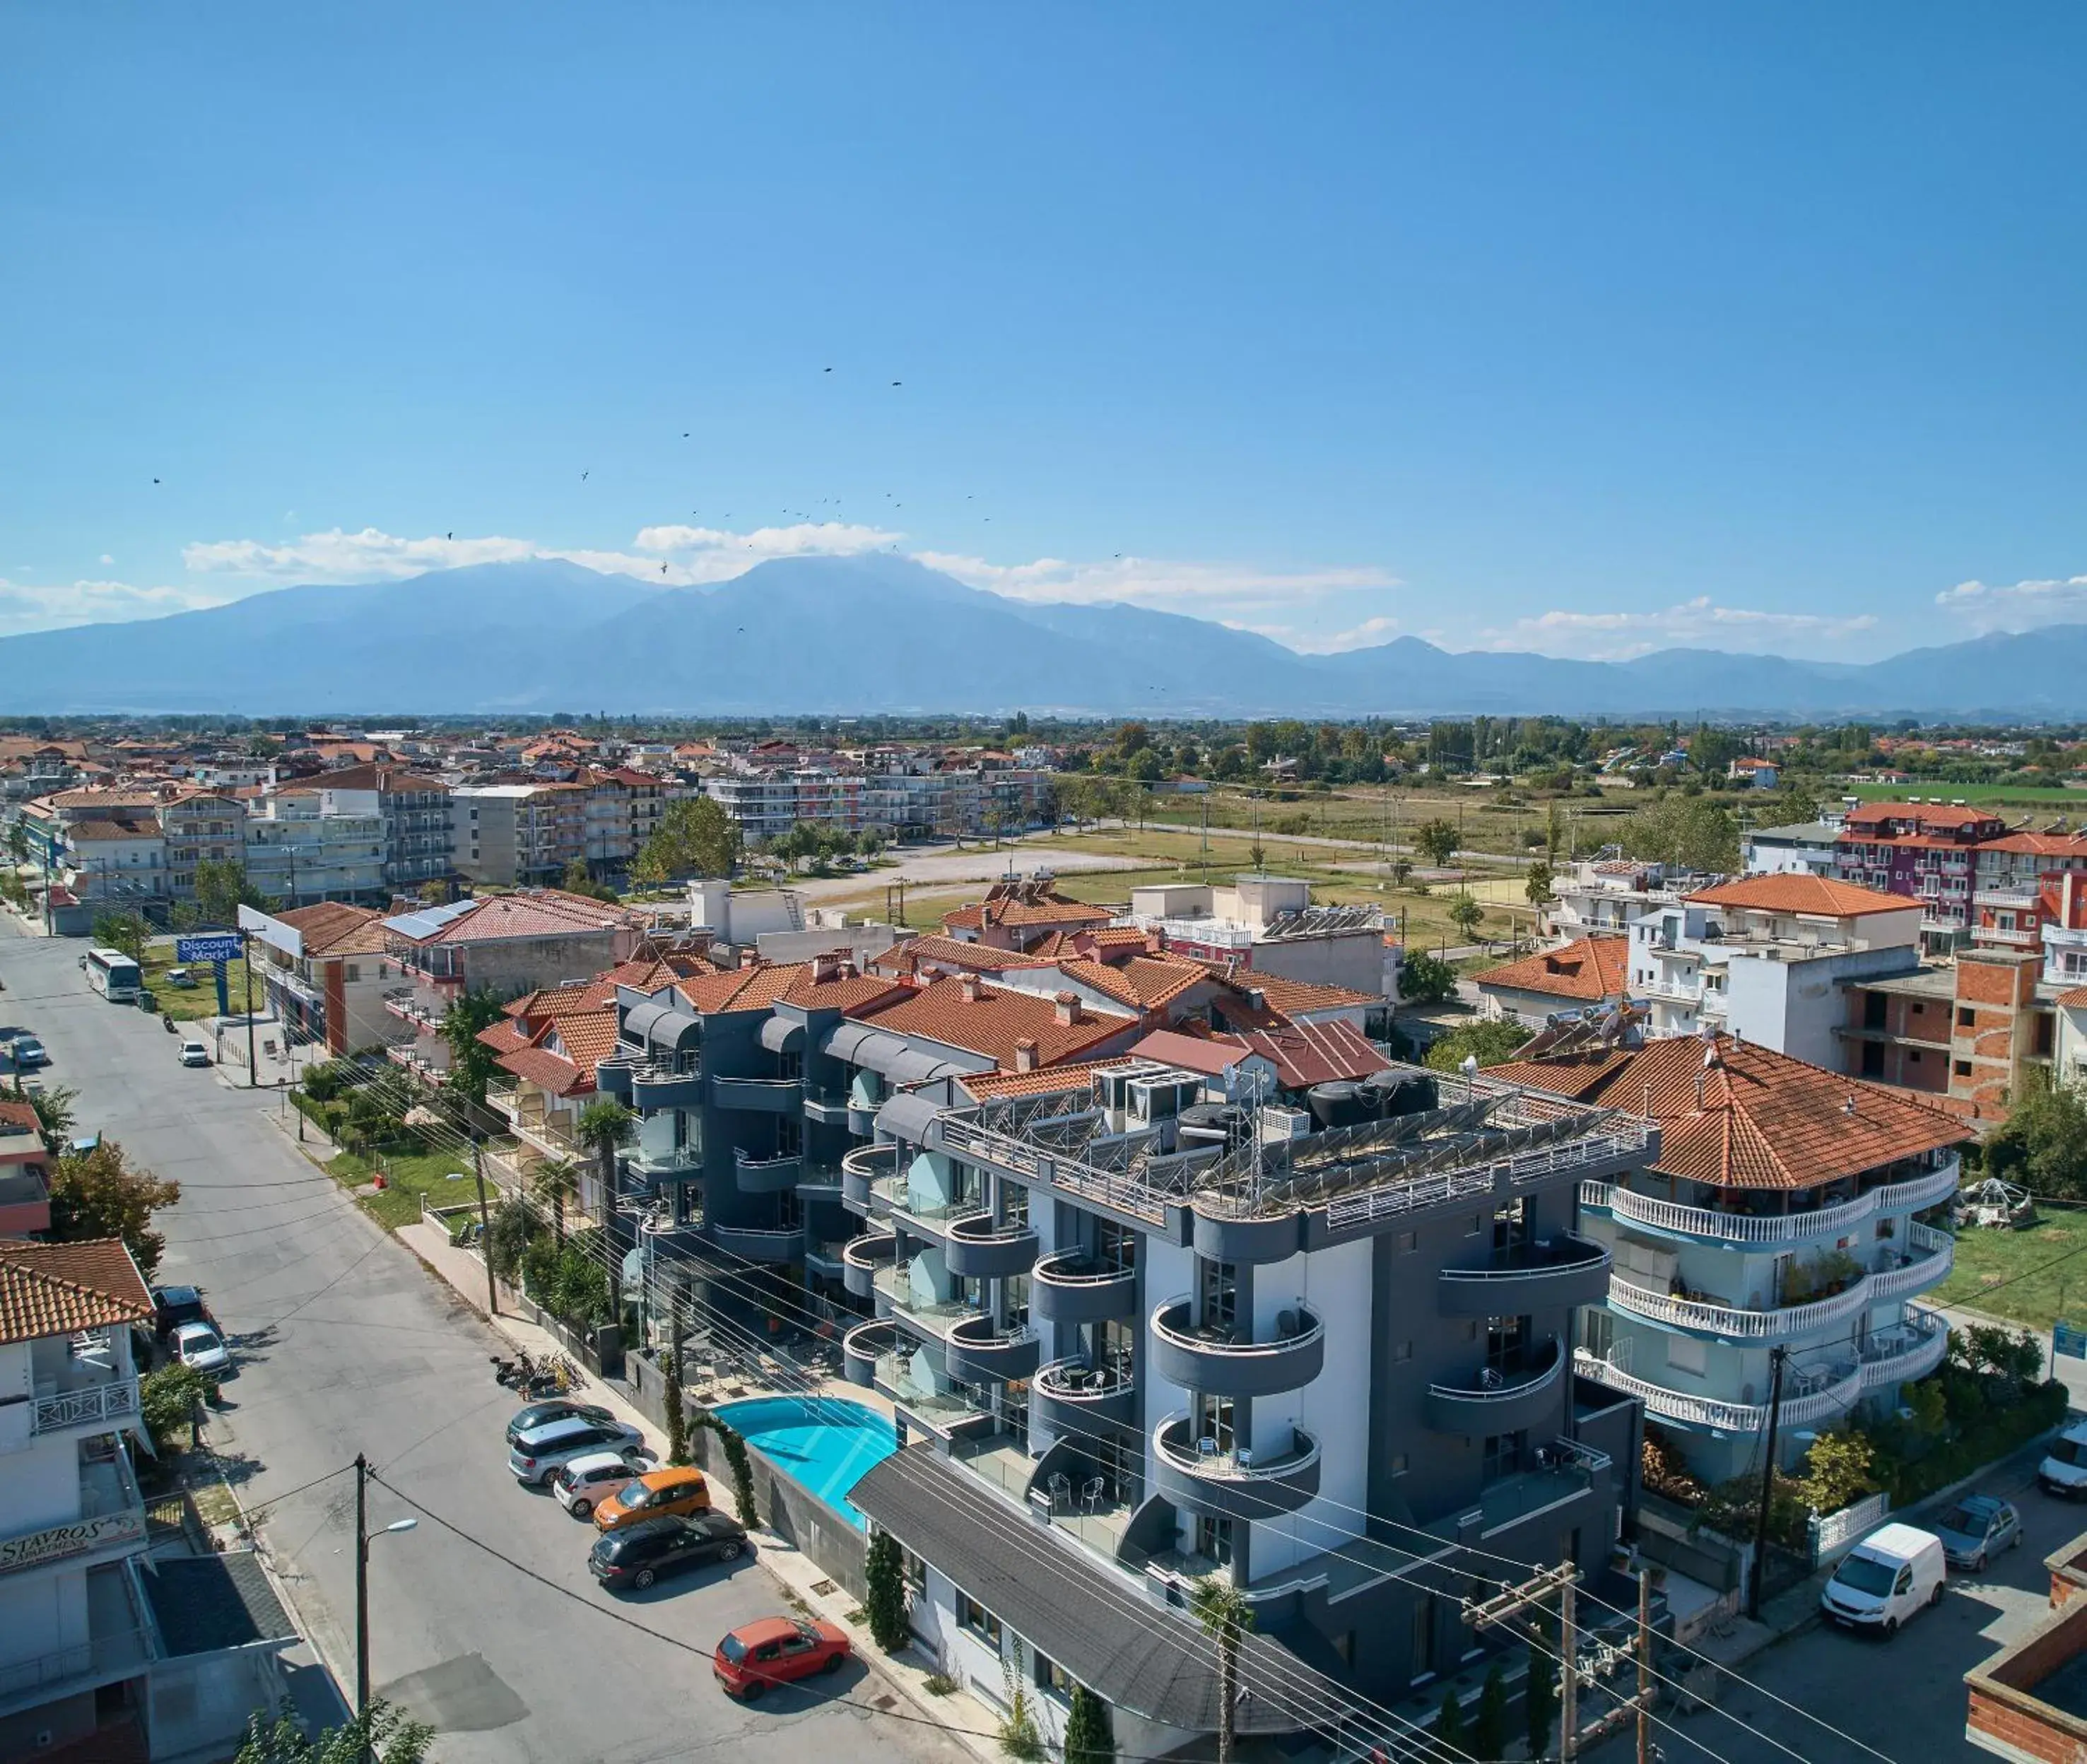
{"x": 125, "y": 930}
{"x": 1693, "y": 832}
{"x": 695, "y": 837}
{"x": 472, "y": 1062}
{"x": 55, "y": 1119}
{"x": 167, "y": 1400}
{"x": 385, "y": 1736}
{"x": 1554, "y": 831}
{"x": 17, "y": 841}
{"x": 677, "y": 1418}
{"x": 1489, "y": 1732}
{"x": 1467, "y": 916}
{"x": 1490, "y": 1042}
{"x": 553, "y": 1182}
{"x": 1425, "y": 980}
{"x": 1436, "y": 841}
{"x": 1090, "y": 1729}
{"x": 602, "y": 1126}
{"x": 97, "y": 1194}
{"x": 2042, "y": 1144}
{"x": 576, "y": 881}
{"x": 1226, "y": 1616}
{"x": 1449, "y": 1738}
{"x": 1538, "y": 882}
{"x": 222, "y": 888}
{"x": 885, "y": 1602}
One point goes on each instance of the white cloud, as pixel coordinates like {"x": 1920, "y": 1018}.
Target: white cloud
{"x": 106, "y": 558}
{"x": 2017, "y": 606}
{"x": 43, "y": 606}
{"x": 1696, "y": 623}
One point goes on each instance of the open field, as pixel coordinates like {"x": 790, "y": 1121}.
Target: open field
{"x": 2032, "y": 1277}
{"x": 192, "y": 1004}
{"x": 1966, "y": 793}
{"x": 408, "y": 1176}
{"x": 1391, "y": 812}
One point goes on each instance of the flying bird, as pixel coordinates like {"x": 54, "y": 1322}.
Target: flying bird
{"x": 898, "y": 382}
{"x": 449, "y": 536}
{"x": 662, "y": 569}
{"x": 829, "y": 370}
{"x": 155, "y": 480}
{"x": 583, "y": 477}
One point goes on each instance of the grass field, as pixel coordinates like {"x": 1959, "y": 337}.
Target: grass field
{"x": 2033, "y": 1277}
{"x": 1968, "y": 794}
{"x": 1377, "y": 815}
{"x": 409, "y": 1177}
{"x": 192, "y": 1004}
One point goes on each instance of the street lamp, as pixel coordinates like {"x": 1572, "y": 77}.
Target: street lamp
{"x": 364, "y": 1537}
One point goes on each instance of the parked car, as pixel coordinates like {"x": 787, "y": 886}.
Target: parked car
{"x": 774, "y": 1650}
{"x": 200, "y": 1347}
{"x": 179, "y": 976}
{"x": 174, "y": 1305}
{"x": 27, "y": 1051}
{"x": 677, "y": 1491}
{"x": 585, "y": 1482}
{"x": 1977, "y": 1529}
{"x": 555, "y": 1408}
{"x": 1893, "y": 1573}
{"x": 542, "y": 1452}
{"x": 639, "y": 1554}
{"x": 2063, "y": 1470}
{"x": 195, "y": 1051}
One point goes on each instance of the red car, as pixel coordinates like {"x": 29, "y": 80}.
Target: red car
{"x": 773, "y": 1650}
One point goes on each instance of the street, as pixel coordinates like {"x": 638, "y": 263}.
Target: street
{"x": 1904, "y": 1698}
{"x": 345, "y": 1344}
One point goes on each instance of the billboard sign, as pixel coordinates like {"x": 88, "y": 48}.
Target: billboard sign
{"x": 2069, "y": 1339}
{"x": 198, "y": 950}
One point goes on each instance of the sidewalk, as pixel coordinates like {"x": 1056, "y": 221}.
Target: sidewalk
{"x": 803, "y": 1582}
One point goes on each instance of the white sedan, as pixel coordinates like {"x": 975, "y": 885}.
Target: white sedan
{"x": 201, "y": 1348}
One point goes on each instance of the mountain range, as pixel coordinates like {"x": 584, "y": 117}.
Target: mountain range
{"x": 884, "y": 634}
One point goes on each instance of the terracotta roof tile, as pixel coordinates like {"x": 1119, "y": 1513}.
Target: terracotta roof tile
{"x": 744, "y": 988}
{"x": 953, "y": 952}
{"x": 328, "y": 925}
{"x": 996, "y": 1020}
{"x": 95, "y": 830}
{"x": 2074, "y": 1000}
{"x": 1308, "y": 1053}
{"x": 61, "y": 1288}
{"x": 21, "y": 1115}
{"x": 546, "y": 1070}
{"x": 1765, "y": 1121}
{"x": 1291, "y": 997}
{"x": 987, "y": 1086}
{"x": 1796, "y": 892}
{"x": 854, "y": 993}
{"x": 1586, "y": 968}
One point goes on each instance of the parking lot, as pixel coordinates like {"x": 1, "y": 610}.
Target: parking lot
{"x": 485, "y": 1618}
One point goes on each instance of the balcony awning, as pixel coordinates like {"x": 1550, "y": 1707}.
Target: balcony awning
{"x": 914, "y": 1067}
{"x": 662, "y": 1022}
{"x": 907, "y": 1116}
{"x": 844, "y": 1041}
{"x": 779, "y": 1034}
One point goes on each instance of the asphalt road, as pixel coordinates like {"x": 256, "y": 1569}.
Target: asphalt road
{"x": 346, "y": 1344}
{"x": 1904, "y": 1698}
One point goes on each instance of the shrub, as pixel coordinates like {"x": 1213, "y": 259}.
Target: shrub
{"x": 886, "y": 1606}
{"x": 167, "y": 1400}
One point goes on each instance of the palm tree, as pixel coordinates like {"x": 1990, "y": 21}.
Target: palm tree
{"x": 1223, "y": 1610}
{"x": 557, "y": 1180}
{"x": 603, "y": 1123}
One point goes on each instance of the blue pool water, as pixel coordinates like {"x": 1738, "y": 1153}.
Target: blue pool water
{"x": 823, "y": 1443}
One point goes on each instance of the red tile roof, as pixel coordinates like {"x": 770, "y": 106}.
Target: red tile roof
{"x": 534, "y": 913}
{"x": 1590, "y": 968}
{"x": 19, "y": 1115}
{"x": 1797, "y": 892}
{"x": 2074, "y": 1000}
{"x": 335, "y": 927}
{"x": 147, "y": 829}
{"x": 1293, "y": 997}
{"x": 61, "y": 1288}
{"x": 995, "y": 1021}
{"x": 744, "y": 988}
{"x": 1209, "y": 1054}
{"x": 386, "y": 780}
{"x": 953, "y": 952}
{"x": 1934, "y": 814}
{"x": 849, "y": 992}
{"x": 987, "y": 1086}
{"x": 1763, "y": 1120}
{"x": 1306, "y": 1054}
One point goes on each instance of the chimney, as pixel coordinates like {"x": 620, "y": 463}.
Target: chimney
{"x": 1024, "y": 1055}
{"x": 970, "y": 986}
{"x": 1068, "y": 1006}
{"x": 825, "y": 967}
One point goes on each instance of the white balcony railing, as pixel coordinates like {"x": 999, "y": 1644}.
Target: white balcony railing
{"x": 1763, "y": 1228}
{"x": 1708, "y": 1317}
{"x": 1834, "y": 1398}
{"x": 1932, "y": 1254}
{"x": 108, "y": 1402}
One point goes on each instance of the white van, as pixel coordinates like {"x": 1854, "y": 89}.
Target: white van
{"x": 2063, "y": 1470}
{"x": 1893, "y": 1572}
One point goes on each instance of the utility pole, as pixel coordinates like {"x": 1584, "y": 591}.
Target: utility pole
{"x": 246, "y": 967}
{"x": 1645, "y": 1666}
{"x": 1777, "y": 1356}
{"x": 361, "y": 1589}
{"x": 484, "y": 1229}
{"x": 1533, "y": 1593}
{"x": 1568, "y": 1677}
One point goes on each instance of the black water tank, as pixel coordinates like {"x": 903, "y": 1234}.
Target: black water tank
{"x": 1209, "y": 1124}
{"x": 1338, "y": 1104}
{"x": 1401, "y": 1093}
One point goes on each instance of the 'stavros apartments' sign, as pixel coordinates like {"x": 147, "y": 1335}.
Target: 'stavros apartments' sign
{"x": 32, "y": 1549}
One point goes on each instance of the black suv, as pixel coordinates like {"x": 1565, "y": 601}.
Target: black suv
{"x": 637, "y": 1555}
{"x": 175, "y": 1305}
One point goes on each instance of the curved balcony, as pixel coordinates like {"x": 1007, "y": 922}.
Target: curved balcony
{"x": 862, "y": 1119}
{"x": 1839, "y": 1389}
{"x": 1222, "y": 1235}
{"x": 1912, "y": 1350}
{"x": 1764, "y": 1230}
{"x": 1705, "y": 1317}
{"x": 859, "y": 1168}
{"x": 1221, "y": 1364}
{"x": 1080, "y": 1399}
{"x": 981, "y": 1248}
{"x": 763, "y": 1095}
{"x": 661, "y": 1086}
{"x": 933, "y": 1317}
{"x": 612, "y": 1077}
{"x": 863, "y": 1346}
{"x": 676, "y": 1163}
{"x": 1928, "y": 1257}
{"x": 1500, "y": 1402}
{"x": 1070, "y": 1287}
{"x": 1237, "y": 1484}
{"x": 1922, "y": 1192}
{"x": 826, "y": 1109}
{"x": 760, "y": 1243}
{"x": 1569, "y": 1270}
{"x": 823, "y": 1255}
{"x": 862, "y": 1258}
{"x": 766, "y": 1175}
{"x": 982, "y": 1350}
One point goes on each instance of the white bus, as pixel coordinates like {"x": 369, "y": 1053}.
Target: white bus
{"x": 114, "y": 975}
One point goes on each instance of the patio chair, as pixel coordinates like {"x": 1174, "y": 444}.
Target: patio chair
{"x": 1091, "y": 1491}
{"x": 1062, "y": 1491}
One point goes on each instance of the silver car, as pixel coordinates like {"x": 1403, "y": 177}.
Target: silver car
{"x": 540, "y": 1453}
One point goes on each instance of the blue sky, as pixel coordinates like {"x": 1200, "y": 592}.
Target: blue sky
{"x": 1589, "y": 330}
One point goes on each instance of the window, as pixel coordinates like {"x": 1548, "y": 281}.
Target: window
{"x": 1401, "y": 1352}
{"x": 351, "y": 971}
{"x": 1963, "y": 1069}
{"x": 1213, "y": 1421}
{"x": 981, "y": 1622}
{"x": 1408, "y": 1242}
{"x": 1399, "y": 1463}
{"x": 1220, "y": 1295}
{"x": 1051, "y": 1676}
{"x": 1214, "y": 1539}
{"x": 1684, "y": 1354}
{"x": 1966, "y": 1017}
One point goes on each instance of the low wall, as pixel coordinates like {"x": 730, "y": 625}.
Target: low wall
{"x": 793, "y": 1512}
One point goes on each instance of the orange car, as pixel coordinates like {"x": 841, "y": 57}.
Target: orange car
{"x": 657, "y": 1494}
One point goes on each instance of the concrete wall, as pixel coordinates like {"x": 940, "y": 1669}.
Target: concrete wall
{"x": 1353, "y": 959}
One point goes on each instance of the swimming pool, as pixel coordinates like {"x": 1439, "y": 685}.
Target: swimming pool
{"x": 823, "y": 1443}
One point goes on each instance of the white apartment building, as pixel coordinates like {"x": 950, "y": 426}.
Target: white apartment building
{"x": 1806, "y": 848}
{"x": 1269, "y": 924}
{"x": 1767, "y": 958}
{"x": 1608, "y": 896}
{"x": 296, "y": 852}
